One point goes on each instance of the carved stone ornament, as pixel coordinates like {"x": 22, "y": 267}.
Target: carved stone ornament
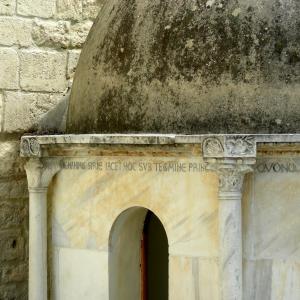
{"x": 30, "y": 147}
{"x": 229, "y": 146}
{"x": 240, "y": 146}
{"x": 231, "y": 178}
{"x": 230, "y": 181}
{"x": 212, "y": 147}
{"x": 41, "y": 171}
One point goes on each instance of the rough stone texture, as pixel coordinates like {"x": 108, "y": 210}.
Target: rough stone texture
{"x": 10, "y": 163}
{"x": 47, "y": 66}
{"x": 69, "y": 9}
{"x": 7, "y": 7}
{"x": 14, "y": 273}
{"x": 9, "y": 66}
{"x": 13, "y": 291}
{"x": 11, "y": 214}
{"x": 14, "y": 188}
{"x": 15, "y": 31}
{"x": 72, "y": 62}
{"x": 43, "y": 71}
{"x": 51, "y": 33}
{"x": 90, "y": 8}
{"x": 60, "y": 34}
{"x": 1, "y": 111}
{"x": 79, "y": 33}
{"x": 190, "y": 67}
{"x": 37, "y": 8}
{"x": 23, "y": 111}
{"x": 12, "y": 245}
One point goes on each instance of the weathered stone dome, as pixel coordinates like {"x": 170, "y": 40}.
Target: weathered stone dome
{"x": 190, "y": 67}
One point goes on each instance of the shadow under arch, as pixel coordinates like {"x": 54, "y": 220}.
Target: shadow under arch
{"x": 138, "y": 256}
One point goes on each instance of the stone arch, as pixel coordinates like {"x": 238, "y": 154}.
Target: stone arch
{"x": 125, "y": 256}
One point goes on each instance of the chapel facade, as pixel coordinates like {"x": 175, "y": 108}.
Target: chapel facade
{"x": 171, "y": 170}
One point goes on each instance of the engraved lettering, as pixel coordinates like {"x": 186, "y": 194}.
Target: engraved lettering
{"x": 277, "y": 167}
{"x": 136, "y": 166}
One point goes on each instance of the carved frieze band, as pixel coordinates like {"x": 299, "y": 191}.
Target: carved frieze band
{"x": 30, "y": 147}
{"x": 229, "y": 147}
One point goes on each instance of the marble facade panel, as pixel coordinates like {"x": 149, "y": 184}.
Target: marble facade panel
{"x": 271, "y": 280}
{"x": 80, "y": 274}
{"x": 193, "y": 277}
{"x": 96, "y": 184}
{"x": 272, "y": 209}
{"x": 85, "y": 203}
{"x": 285, "y": 280}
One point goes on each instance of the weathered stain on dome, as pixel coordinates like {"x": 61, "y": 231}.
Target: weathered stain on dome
{"x": 190, "y": 66}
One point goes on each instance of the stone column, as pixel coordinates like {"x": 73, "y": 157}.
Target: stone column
{"x": 39, "y": 174}
{"x": 231, "y": 157}
{"x": 231, "y": 179}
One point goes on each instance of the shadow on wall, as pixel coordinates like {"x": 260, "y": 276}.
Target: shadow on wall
{"x": 54, "y": 121}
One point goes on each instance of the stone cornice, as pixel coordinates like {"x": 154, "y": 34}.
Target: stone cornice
{"x": 213, "y": 146}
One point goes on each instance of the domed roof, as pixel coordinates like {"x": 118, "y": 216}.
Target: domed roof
{"x": 189, "y": 67}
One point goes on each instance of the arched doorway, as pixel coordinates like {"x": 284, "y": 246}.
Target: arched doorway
{"x": 138, "y": 257}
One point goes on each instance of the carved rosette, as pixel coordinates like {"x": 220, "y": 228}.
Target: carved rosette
{"x": 240, "y": 146}
{"x": 231, "y": 146}
{"x": 30, "y": 147}
{"x": 212, "y": 147}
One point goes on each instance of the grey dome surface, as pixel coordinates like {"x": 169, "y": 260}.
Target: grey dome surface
{"x": 192, "y": 66}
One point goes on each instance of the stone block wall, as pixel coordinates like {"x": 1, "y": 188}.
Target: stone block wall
{"x": 40, "y": 42}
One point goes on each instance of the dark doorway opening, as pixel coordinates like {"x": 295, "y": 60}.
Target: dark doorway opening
{"x": 138, "y": 257}
{"x": 154, "y": 260}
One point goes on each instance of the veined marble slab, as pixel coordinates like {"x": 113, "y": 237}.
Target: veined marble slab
{"x": 80, "y": 274}
{"x": 86, "y": 202}
{"x": 272, "y": 222}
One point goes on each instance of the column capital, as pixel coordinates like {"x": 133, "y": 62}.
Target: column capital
{"x": 231, "y": 156}
{"x": 231, "y": 178}
{"x": 40, "y": 172}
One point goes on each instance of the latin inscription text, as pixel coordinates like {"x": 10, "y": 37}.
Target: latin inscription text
{"x": 136, "y": 166}
{"x": 277, "y": 167}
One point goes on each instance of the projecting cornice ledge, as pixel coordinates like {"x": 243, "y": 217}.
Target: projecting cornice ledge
{"x": 216, "y": 146}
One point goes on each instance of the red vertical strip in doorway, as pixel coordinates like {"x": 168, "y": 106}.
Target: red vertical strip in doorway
{"x": 143, "y": 268}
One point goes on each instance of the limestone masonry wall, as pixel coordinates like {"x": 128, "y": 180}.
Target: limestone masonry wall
{"x": 40, "y": 42}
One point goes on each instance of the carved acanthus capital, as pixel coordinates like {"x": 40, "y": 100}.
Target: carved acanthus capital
{"x": 40, "y": 172}
{"x": 30, "y": 147}
{"x": 231, "y": 178}
{"x": 229, "y": 146}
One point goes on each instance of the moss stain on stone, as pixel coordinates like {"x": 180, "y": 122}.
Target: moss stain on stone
{"x": 190, "y": 67}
